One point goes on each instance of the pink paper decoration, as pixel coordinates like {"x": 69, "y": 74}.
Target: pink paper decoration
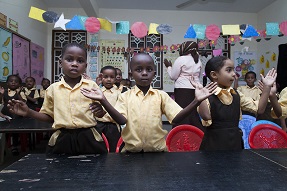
{"x": 283, "y": 27}
{"x": 139, "y": 29}
{"x": 212, "y": 32}
{"x": 92, "y": 25}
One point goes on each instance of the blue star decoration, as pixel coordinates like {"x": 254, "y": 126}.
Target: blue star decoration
{"x": 61, "y": 22}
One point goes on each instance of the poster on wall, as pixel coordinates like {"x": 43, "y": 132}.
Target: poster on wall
{"x": 6, "y": 54}
{"x": 37, "y": 62}
{"x": 244, "y": 62}
{"x": 21, "y": 57}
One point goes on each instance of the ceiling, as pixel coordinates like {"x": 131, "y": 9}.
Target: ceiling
{"x": 246, "y": 6}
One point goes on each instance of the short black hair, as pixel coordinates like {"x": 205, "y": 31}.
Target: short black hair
{"x": 71, "y": 45}
{"x": 214, "y": 64}
{"x": 141, "y": 54}
{"x": 31, "y": 78}
{"x": 108, "y": 68}
{"x": 250, "y": 72}
{"x": 45, "y": 79}
{"x": 14, "y": 75}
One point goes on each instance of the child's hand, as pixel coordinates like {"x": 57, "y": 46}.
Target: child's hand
{"x": 201, "y": 93}
{"x": 85, "y": 76}
{"x": 270, "y": 77}
{"x": 94, "y": 93}
{"x": 18, "y": 107}
{"x": 167, "y": 63}
{"x": 1, "y": 90}
{"x": 99, "y": 79}
{"x": 97, "y": 109}
{"x": 260, "y": 85}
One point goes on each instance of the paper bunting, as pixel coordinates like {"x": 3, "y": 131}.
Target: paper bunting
{"x": 105, "y": 24}
{"x": 212, "y": 32}
{"x": 250, "y": 32}
{"x": 164, "y": 29}
{"x": 75, "y": 24}
{"x": 123, "y": 27}
{"x": 200, "y": 31}
{"x": 272, "y": 29}
{"x": 61, "y": 22}
{"x": 190, "y": 33}
{"x": 50, "y": 16}
{"x": 152, "y": 28}
{"x": 83, "y": 20}
{"x": 230, "y": 29}
{"x": 92, "y": 25}
{"x": 36, "y": 14}
{"x": 139, "y": 29}
{"x": 283, "y": 27}
{"x": 217, "y": 52}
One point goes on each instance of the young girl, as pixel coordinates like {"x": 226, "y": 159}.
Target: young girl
{"x": 222, "y": 110}
{"x": 31, "y": 93}
{"x": 45, "y": 84}
{"x": 69, "y": 110}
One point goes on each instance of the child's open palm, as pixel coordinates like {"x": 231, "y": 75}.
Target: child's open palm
{"x": 270, "y": 77}
{"x": 201, "y": 93}
{"x": 18, "y": 107}
{"x": 94, "y": 93}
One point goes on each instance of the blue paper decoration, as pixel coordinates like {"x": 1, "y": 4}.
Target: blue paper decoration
{"x": 200, "y": 31}
{"x": 83, "y": 20}
{"x": 50, "y": 16}
{"x": 250, "y": 32}
{"x": 75, "y": 24}
{"x": 164, "y": 29}
{"x": 123, "y": 27}
{"x": 190, "y": 33}
{"x": 272, "y": 29}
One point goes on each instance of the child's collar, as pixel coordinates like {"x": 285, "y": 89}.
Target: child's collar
{"x": 219, "y": 89}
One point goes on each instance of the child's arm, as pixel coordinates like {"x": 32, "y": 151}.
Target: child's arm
{"x": 235, "y": 84}
{"x": 268, "y": 82}
{"x": 96, "y": 94}
{"x": 274, "y": 101}
{"x": 34, "y": 100}
{"x": 201, "y": 93}
{"x": 19, "y": 107}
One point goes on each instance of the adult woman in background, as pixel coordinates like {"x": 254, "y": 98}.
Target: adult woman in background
{"x": 185, "y": 67}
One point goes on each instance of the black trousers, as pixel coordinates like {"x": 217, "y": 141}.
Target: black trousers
{"x": 112, "y": 133}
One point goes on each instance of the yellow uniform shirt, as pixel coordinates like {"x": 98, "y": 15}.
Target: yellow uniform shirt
{"x": 68, "y": 106}
{"x": 42, "y": 93}
{"x": 253, "y": 92}
{"x": 143, "y": 131}
{"x": 28, "y": 91}
{"x": 120, "y": 88}
{"x": 224, "y": 95}
{"x": 283, "y": 103}
{"x": 11, "y": 93}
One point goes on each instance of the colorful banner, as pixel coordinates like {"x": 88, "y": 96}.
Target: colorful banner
{"x": 21, "y": 57}
{"x": 6, "y": 54}
{"x": 244, "y": 62}
{"x": 37, "y": 62}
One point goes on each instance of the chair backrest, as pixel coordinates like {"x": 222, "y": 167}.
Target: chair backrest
{"x": 245, "y": 125}
{"x": 264, "y": 122}
{"x": 119, "y": 144}
{"x": 184, "y": 138}
{"x": 265, "y": 136}
{"x": 106, "y": 142}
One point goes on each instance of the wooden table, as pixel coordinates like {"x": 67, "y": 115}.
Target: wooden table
{"x": 243, "y": 170}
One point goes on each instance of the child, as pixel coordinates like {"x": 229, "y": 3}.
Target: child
{"x": 13, "y": 91}
{"x": 105, "y": 124}
{"x": 223, "y": 108}
{"x": 68, "y": 109}
{"x": 119, "y": 79}
{"x": 250, "y": 89}
{"x": 31, "y": 93}
{"x": 45, "y": 84}
{"x": 141, "y": 108}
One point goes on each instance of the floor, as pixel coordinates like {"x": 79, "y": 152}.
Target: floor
{"x": 39, "y": 148}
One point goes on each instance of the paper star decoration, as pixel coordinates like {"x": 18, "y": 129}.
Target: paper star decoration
{"x": 62, "y": 22}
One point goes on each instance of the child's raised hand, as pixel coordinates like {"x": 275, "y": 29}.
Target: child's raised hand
{"x": 167, "y": 63}
{"x": 94, "y": 93}
{"x": 18, "y": 107}
{"x": 97, "y": 109}
{"x": 86, "y": 76}
{"x": 260, "y": 85}
{"x": 201, "y": 93}
{"x": 270, "y": 77}
{"x": 1, "y": 90}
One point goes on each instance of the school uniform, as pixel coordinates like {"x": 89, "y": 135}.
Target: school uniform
{"x": 143, "y": 131}
{"x": 108, "y": 126}
{"x": 33, "y": 93}
{"x": 122, "y": 88}
{"x": 74, "y": 122}
{"x": 225, "y": 107}
{"x": 283, "y": 103}
{"x": 41, "y": 97}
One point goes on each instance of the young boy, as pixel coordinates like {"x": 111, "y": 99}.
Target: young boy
{"x": 31, "y": 93}
{"x": 110, "y": 129}
{"x": 141, "y": 108}
{"x": 45, "y": 84}
{"x": 118, "y": 81}
{"x": 68, "y": 109}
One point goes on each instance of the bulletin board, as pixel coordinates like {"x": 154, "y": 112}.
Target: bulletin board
{"x": 37, "y": 62}
{"x": 244, "y": 62}
{"x": 6, "y": 54}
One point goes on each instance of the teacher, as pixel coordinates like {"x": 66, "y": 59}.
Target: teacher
{"x": 186, "y": 66}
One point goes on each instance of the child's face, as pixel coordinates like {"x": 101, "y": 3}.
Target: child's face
{"x": 250, "y": 79}
{"x": 143, "y": 70}
{"x": 45, "y": 84}
{"x": 13, "y": 83}
{"x": 74, "y": 62}
{"x": 29, "y": 83}
{"x": 108, "y": 78}
{"x": 226, "y": 74}
{"x": 119, "y": 76}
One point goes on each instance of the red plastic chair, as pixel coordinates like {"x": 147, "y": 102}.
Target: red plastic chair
{"x": 184, "y": 138}
{"x": 267, "y": 136}
{"x": 106, "y": 142}
{"x": 119, "y": 144}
